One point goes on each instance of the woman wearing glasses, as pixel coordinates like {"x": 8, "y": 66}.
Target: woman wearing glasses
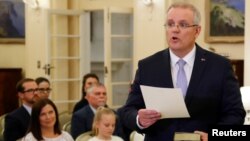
{"x": 88, "y": 80}
{"x": 44, "y": 89}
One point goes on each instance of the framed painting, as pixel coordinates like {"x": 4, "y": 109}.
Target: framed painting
{"x": 225, "y": 21}
{"x": 12, "y": 21}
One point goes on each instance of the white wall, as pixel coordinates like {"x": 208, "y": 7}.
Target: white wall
{"x": 149, "y": 29}
{"x": 12, "y": 56}
{"x": 97, "y": 4}
{"x": 247, "y": 45}
{"x": 35, "y": 42}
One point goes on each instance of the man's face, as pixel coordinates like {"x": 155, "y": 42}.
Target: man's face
{"x": 180, "y": 39}
{"x": 30, "y": 90}
{"x": 98, "y": 97}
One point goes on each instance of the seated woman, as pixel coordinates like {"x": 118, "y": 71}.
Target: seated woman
{"x": 44, "y": 123}
{"x": 104, "y": 125}
{"x": 88, "y": 80}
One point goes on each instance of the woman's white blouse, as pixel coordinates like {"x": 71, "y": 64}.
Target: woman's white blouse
{"x": 65, "y": 136}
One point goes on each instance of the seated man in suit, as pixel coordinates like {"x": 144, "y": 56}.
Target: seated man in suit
{"x": 16, "y": 122}
{"x": 82, "y": 119}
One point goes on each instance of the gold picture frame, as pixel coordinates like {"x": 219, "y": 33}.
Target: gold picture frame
{"x": 12, "y": 27}
{"x": 224, "y": 21}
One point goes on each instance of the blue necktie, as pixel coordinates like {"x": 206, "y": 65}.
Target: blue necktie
{"x": 181, "y": 77}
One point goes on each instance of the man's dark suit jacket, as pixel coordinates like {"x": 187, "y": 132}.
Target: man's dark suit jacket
{"x": 213, "y": 95}
{"x": 16, "y": 124}
{"x": 82, "y": 120}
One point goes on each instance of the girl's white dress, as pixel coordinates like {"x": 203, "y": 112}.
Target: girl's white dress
{"x": 65, "y": 136}
{"x": 113, "y": 138}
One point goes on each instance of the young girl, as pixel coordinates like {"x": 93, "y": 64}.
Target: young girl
{"x": 104, "y": 125}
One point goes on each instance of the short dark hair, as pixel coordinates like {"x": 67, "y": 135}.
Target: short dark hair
{"x": 35, "y": 126}
{"x": 20, "y": 87}
{"x": 41, "y": 79}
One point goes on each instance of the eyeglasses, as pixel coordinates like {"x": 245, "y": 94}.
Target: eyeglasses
{"x": 179, "y": 26}
{"x": 44, "y": 90}
{"x": 30, "y": 91}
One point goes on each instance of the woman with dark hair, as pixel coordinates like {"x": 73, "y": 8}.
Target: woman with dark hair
{"x": 44, "y": 123}
{"x": 43, "y": 88}
{"x": 88, "y": 80}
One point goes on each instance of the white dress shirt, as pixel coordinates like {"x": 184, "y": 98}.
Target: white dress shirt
{"x": 188, "y": 68}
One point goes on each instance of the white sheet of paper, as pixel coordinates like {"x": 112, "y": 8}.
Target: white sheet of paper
{"x": 168, "y": 101}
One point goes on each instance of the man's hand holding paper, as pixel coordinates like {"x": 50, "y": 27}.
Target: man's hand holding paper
{"x": 148, "y": 117}
{"x": 168, "y": 101}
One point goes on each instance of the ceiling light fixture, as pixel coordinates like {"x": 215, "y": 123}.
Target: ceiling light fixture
{"x": 148, "y": 2}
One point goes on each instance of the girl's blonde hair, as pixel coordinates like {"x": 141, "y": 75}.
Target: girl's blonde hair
{"x": 101, "y": 111}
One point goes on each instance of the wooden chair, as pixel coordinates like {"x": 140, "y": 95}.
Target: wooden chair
{"x": 67, "y": 127}
{"x": 245, "y": 96}
{"x": 64, "y": 117}
{"x": 2, "y": 119}
{"x": 135, "y": 136}
{"x": 85, "y": 136}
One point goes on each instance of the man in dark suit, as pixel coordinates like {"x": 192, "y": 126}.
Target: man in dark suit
{"x": 17, "y": 122}
{"x": 82, "y": 119}
{"x": 212, "y": 95}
